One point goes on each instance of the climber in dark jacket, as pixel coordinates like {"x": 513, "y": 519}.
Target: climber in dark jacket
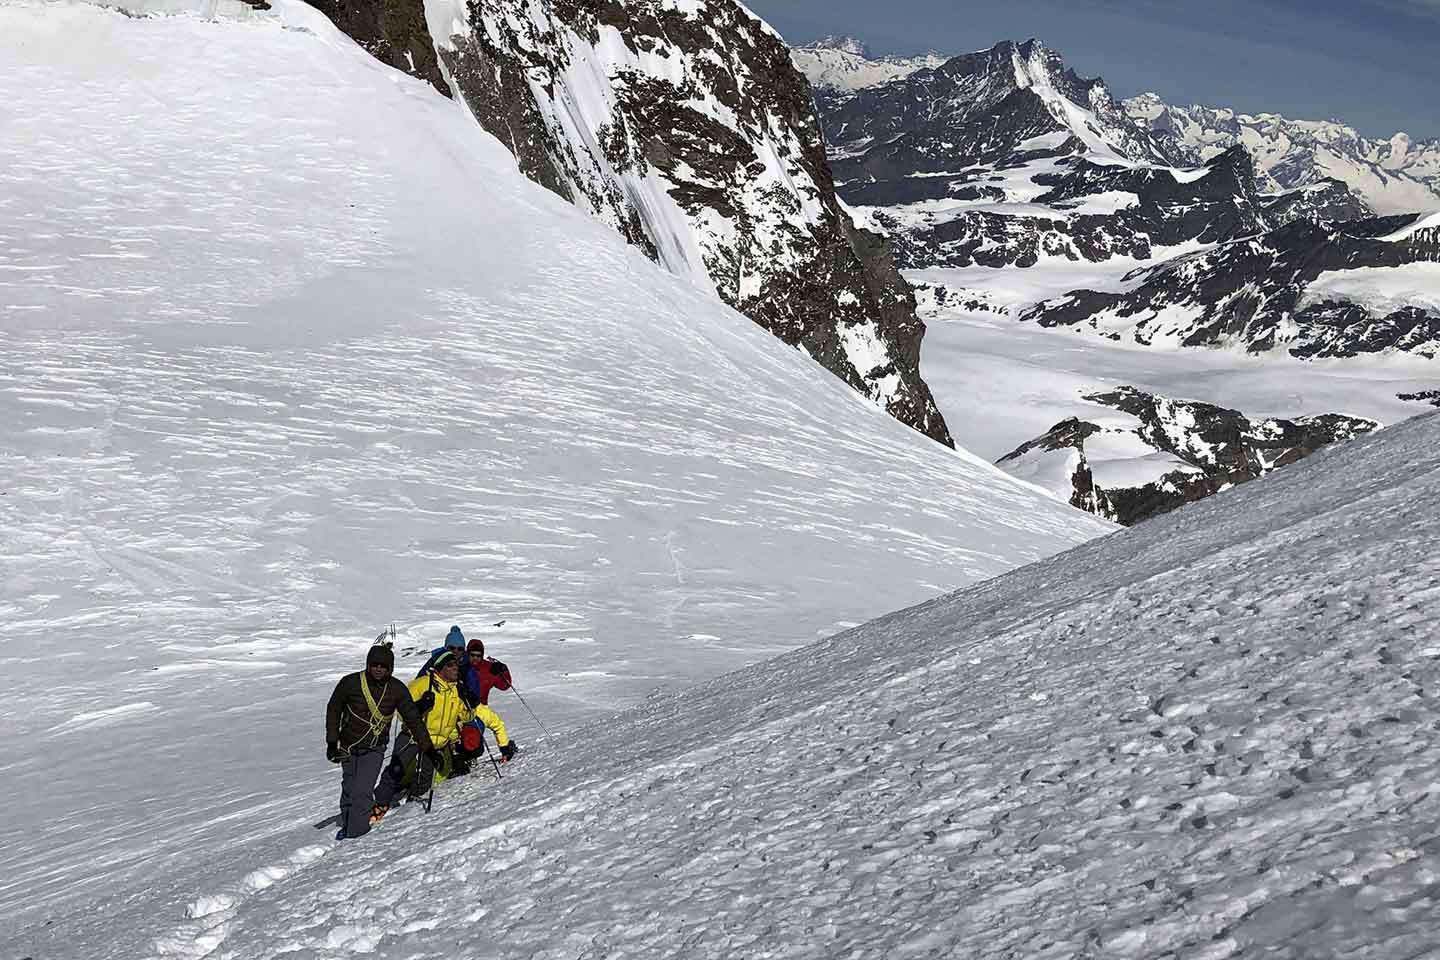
{"x": 357, "y": 731}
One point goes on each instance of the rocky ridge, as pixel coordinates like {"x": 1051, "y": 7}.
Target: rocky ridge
{"x": 979, "y": 108}
{"x": 1154, "y": 454}
{"x": 1075, "y": 209}
{"x": 1395, "y": 175}
{"x": 1310, "y": 289}
{"x": 684, "y": 125}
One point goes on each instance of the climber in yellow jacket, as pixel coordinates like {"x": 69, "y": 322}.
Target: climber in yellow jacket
{"x": 437, "y": 694}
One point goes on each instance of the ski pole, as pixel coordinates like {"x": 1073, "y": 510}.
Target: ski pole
{"x": 531, "y": 712}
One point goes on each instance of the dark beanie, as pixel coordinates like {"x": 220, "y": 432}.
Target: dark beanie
{"x": 382, "y": 655}
{"x": 476, "y": 645}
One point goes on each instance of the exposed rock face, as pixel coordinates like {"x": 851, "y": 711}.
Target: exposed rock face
{"x": 1392, "y": 176}
{"x": 1164, "y": 453}
{"x": 1312, "y": 289}
{"x": 1326, "y": 201}
{"x": 1431, "y": 397}
{"x": 685, "y": 126}
{"x": 1100, "y": 211}
{"x": 392, "y": 31}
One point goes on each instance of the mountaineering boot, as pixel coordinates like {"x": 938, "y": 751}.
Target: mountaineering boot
{"x": 341, "y": 834}
{"x": 377, "y": 813}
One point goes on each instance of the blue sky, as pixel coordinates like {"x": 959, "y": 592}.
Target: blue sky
{"x": 1373, "y": 63}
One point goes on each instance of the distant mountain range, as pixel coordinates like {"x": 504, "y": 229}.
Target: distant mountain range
{"x": 1396, "y": 175}
{"x": 1008, "y": 158}
{"x": 844, "y": 63}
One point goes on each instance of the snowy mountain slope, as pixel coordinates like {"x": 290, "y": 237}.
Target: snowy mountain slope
{"x": 1026, "y": 211}
{"x": 1212, "y": 736}
{"x": 978, "y": 108}
{"x": 1395, "y": 175}
{"x": 1312, "y": 289}
{"x": 1136, "y": 455}
{"x": 686, "y": 128}
{"x": 844, "y": 65}
{"x": 290, "y": 351}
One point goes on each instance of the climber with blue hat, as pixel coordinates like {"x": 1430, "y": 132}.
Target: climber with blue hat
{"x": 454, "y": 643}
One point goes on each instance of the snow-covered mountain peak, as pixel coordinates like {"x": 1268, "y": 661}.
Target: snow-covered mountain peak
{"x": 847, "y": 45}
{"x": 1393, "y": 175}
{"x": 843, "y": 65}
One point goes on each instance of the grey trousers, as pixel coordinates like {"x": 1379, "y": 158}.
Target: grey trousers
{"x": 359, "y": 771}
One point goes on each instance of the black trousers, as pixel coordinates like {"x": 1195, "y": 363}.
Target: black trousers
{"x": 358, "y": 773}
{"x": 399, "y": 776}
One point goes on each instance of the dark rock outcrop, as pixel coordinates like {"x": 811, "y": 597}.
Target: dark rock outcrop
{"x": 1431, "y": 397}
{"x": 1208, "y": 448}
{"x": 687, "y": 128}
{"x": 1165, "y": 210}
{"x": 1328, "y": 201}
{"x": 392, "y": 31}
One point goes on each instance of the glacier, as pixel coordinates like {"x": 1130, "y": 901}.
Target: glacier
{"x": 290, "y": 351}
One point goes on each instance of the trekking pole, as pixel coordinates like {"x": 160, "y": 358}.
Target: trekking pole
{"x": 491, "y": 757}
{"x": 531, "y": 712}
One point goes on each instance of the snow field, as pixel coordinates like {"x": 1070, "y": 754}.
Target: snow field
{"x": 1001, "y": 383}
{"x": 1212, "y": 736}
{"x": 289, "y": 351}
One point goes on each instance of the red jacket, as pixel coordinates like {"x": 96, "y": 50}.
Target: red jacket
{"x": 491, "y": 675}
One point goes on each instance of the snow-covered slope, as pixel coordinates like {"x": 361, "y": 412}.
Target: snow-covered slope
{"x": 843, "y": 64}
{"x": 289, "y": 351}
{"x": 683, "y": 125}
{"x": 1212, "y": 736}
{"x": 1395, "y": 175}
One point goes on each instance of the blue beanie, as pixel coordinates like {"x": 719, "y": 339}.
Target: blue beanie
{"x": 455, "y": 638}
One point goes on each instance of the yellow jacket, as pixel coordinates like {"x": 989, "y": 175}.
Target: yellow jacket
{"x": 450, "y": 712}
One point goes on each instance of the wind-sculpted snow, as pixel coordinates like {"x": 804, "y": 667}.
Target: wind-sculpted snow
{"x": 289, "y": 351}
{"x": 1213, "y": 736}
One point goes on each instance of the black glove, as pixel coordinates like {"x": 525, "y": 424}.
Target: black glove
{"x": 509, "y": 750}
{"x": 426, "y": 703}
{"x": 436, "y": 758}
{"x": 333, "y": 752}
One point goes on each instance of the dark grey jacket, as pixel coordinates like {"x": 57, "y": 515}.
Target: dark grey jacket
{"x": 347, "y": 717}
